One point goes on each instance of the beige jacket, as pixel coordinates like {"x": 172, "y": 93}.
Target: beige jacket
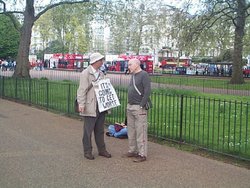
{"x": 85, "y": 93}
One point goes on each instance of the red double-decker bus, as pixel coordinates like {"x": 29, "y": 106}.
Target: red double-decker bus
{"x": 171, "y": 62}
{"x": 67, "y": 61}
{"x": 121, "y": 63}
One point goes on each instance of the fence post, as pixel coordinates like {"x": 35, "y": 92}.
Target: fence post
{"x": 227, "y": 87}
{"x": 181, "y": 118}
{"x": 2, "y": 88}
{"x": 16, "y": 88}
{"x": 30, "y": 91}
{"x": 69, "y": 89}
{"x": 47, "y": 95}
{"x": 203, "y": 85}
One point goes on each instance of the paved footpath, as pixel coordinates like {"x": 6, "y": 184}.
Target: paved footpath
{"x": 39, "y": 149}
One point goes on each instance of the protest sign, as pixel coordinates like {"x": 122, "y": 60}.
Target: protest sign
{"x": 106, "y": 95}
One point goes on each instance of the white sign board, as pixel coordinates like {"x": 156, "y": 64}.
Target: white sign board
{"x": 106, "y": 95}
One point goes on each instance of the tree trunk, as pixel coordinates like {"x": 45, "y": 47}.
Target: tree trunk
{"x": 22, "y": 61}
{"x": 237, "y": 76}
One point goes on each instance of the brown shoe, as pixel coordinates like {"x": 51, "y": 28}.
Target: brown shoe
{"x": 129, "y": 154}
{"x": 139, "y": 159}
{"x": 105, "y": 154}
{"x": 89, "y": 156}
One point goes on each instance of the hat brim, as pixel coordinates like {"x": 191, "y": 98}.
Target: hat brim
{"x": 95, "y": 60}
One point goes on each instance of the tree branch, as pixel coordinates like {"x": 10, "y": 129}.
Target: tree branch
{"x": 207, "y": 21}
{"x": 13, "y": 20}
{"x": 247, "y": 10}
{"x": 229, "y": 4}
{"x": 4, "y": 5}
{"x": 11, "y": 12}
{"x": 58, "y": 4}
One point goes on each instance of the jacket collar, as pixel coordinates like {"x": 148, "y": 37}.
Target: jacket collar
{"x": 90, "y": 69}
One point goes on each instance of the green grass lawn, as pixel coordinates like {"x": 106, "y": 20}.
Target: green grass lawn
{"x": 212, "y": 82}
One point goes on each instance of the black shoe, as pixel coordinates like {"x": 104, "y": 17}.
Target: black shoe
{"x": 130, "y": 154}
{"x": 89, "y": 156}
{"x": 108, "y": 134}
{"x": 105, "y": 154}
{"x": 140, "y": 159}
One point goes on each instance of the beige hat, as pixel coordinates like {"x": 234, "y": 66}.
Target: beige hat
{"x": 95, "y": 57}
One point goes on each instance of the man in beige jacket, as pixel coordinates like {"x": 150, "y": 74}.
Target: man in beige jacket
{"x": 88, "y": 108}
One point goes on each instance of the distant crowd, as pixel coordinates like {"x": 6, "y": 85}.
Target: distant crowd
{"x": 7, "y": 64}
{"x": 10, "y": 65}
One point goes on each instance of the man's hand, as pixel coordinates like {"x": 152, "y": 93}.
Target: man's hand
{"x": 81, "y": 109}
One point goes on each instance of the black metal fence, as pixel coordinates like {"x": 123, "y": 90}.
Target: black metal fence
{"x": 217, "y": 125}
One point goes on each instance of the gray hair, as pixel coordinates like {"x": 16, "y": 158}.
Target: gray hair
{"x": 134, "y": 60}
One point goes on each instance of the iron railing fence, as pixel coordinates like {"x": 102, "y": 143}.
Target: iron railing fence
{"x": 51, "y": 95}
{"x": 203, "y": 84}
{"x": 218, "y": 125}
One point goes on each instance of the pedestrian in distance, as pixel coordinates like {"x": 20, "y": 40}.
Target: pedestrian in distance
{"x": 88, "y": 108}
{"x": 139, "y": 90}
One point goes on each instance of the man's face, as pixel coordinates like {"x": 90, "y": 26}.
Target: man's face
{"x": 99, "y": 63}
{"x": 132, "y": 66}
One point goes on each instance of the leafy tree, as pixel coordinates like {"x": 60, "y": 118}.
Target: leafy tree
{"x": 229, "y": 13}
{"x": 227, "y": 55}
{"x": 130, "y": 19}
{"x": 53, "y": 47}
{"x": 29, "y": 17}
{"x": 44, "y": 26}
{"x": 65, "y": 36}
{"x": 9, "y": 37}
{"x": 71, "y": 24}
{"x": 119, "y": 18}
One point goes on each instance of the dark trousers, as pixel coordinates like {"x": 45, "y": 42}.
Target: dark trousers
{"x": 95, "y": 124}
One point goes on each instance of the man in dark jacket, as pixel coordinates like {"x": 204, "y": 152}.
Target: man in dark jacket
{"x": 138, "y": 95}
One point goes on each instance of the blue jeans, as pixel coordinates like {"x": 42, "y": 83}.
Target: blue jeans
{"x": 122, "y": 133}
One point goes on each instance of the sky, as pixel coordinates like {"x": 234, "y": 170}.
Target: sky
{"x": 21, "y": 3}
{"x": 181, "y": 3}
